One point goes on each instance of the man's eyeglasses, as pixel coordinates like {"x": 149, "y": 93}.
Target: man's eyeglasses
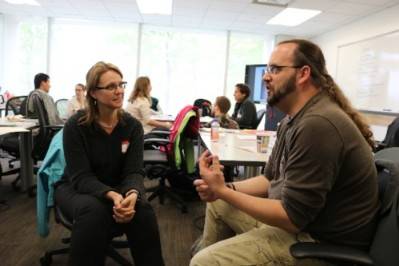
{"x": 114, "y": 86}
{"x": 274, "y": 69}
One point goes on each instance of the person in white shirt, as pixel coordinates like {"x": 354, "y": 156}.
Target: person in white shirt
{"x": 139, "y": 106}
{"x": 78, "y": 101}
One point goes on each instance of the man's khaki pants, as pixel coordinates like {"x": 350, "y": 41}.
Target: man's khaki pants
{"x": 232, "y": 237}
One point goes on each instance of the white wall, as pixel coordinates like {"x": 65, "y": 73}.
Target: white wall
{"x": 377, "y": 24}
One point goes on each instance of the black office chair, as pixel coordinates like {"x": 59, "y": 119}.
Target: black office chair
{"x": 160, "y": 164}
{"x": 16, "y": 105}
{"x": 273, "y": 118}
{"x": 10, "y": 142}
{"x": 259, "y": 116}
{"x": 384, "y": 247}
{"x": 392, "y": 137}
{"x": 205, "y": 106}
{"x": 41, "y": 142}
{"x": 47, "y": 258}
{"x": 62, "y": 107}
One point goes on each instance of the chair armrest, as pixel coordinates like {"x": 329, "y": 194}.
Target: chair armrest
{"x": 379, "y": 145}
{"x": 330, "y": 253}
{"x": 160, "y": 132}
{"x": 156, "y": 141}
{"x": 54, "y": 127}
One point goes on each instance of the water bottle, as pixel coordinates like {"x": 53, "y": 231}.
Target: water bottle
{"x": 215, "y": 130}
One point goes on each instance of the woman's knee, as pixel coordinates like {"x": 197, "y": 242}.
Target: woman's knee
{"x": 144, "y": 212}
{"x": 93, "y": 209}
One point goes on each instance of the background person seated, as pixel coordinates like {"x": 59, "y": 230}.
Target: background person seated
{"x": 139, "y": 106}
{"x": 42, "y": 88}
{"x": 102, "y": 189}
{"x": 78, "y": 101}
{"x": 244, "y": 110}
{"x": 220, "y": 110}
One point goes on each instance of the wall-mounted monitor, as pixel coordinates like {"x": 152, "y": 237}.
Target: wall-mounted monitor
{"x": 254, "y": 79}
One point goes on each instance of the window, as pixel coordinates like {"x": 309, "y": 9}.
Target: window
{"x": 25, "y": 52}
{"x": 183, "y": 65}
{"x": 1, "y": 53}
{"x": 77, "y": 45}
{"x": 245, "y": 49}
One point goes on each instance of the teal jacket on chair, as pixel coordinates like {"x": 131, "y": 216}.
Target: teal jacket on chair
{"x": 49, "y": 173}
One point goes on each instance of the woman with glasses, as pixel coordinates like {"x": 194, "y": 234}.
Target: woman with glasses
{"x": 78, "y": 101}
{"x": 139, "y": 106}
{"x": 102, "y": 189}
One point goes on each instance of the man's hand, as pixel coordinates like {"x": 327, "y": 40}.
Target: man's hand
{"x": 203, "y": 191}
{"x": 212, "y": 176}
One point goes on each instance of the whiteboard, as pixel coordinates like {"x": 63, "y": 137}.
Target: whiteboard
{"x": 368, "y": 72}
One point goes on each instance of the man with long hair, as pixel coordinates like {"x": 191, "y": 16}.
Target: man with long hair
{"x": 320, "y": 182}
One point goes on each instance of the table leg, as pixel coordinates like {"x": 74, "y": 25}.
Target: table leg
{"x": 25, "y": 151}
{"x": 251, "y": 171}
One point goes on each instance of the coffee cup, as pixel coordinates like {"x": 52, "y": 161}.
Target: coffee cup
{"x": 262, "y": 141}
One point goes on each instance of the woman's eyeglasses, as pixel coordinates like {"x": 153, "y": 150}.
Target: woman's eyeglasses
{"x": 114, "y": 86}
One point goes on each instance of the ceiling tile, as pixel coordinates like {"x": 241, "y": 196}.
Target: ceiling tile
{"x": 352, "y": 9}
{"x": 220, "y": 15}
{"x": 227, "y": 6}
{"x": 188, "y": 12}
{"x": 322, "y": 5}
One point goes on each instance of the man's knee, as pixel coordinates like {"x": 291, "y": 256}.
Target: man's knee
{"x": 202, "y": 258}
{"x": 219, "y": 207}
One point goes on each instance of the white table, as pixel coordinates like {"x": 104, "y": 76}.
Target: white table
{"x": 171, "y": 118}
{"x": 236, "y": 147}
{"x": 163, "y": 118}
{"x": 24, "y": 129}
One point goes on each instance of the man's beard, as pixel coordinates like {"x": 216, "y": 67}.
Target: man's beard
{"x": 280, "y": 94}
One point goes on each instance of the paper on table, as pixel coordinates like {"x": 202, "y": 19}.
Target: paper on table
{"x": 246, "y": 137}
{"x": 248, "y": 148}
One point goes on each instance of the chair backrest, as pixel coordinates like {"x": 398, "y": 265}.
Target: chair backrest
{"x": 204, "y": 106}
{"x": 42, "y": 140}
{"x": 62, "y": 107}
{"x": 273, "y": 118}
{"x": 16, "y": 105}
{"x": 392, "y": 136}
{"x": 386, "y": 239}
{"x": 259, "y": 116}
{"x": 154, "y": 104}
